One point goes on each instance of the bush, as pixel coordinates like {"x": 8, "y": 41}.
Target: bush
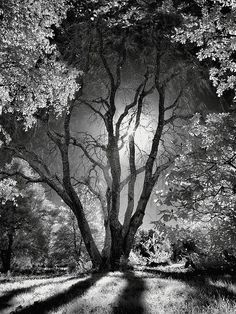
{"x": 152, "y": 247}
{"x": 203, "y": 244}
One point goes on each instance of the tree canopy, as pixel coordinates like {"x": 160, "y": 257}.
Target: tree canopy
{"x": 32, "y": 75}
{"x": 211, "y": 26}
{"x": 202, "y": 182}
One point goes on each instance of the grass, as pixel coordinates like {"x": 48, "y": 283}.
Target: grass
{"x": 159, "y": 291}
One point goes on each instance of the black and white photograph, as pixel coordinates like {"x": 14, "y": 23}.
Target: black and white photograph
{"x": 118, "y": 156}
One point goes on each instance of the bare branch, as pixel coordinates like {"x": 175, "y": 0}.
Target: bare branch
{"x": 109, "y": 73}
{"x": 175, "y": 117}
{"x": 98, "y": 112}
{"x": 162, "y": 168}
{"x": 175, "y": 103}
{"x": 133, "y": 103}
{"x": 51, "y": 180}
{"x": 128, "y": 178}
{"x": 75, "y": 142}
{"x": 121, "y": 61}
{"x": 101, "y": 101}
{"x": 6, "y": 174}
{"x": 94, "y": 142}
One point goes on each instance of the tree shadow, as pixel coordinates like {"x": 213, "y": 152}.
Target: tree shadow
{"x": 131, "y": 299}
{"x": 15, "y": 292}
{"x": 204, "y": 290}
{"x": 62, "y": 298}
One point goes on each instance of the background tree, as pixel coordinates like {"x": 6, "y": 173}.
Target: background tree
{"x": 24, "y": 230}
{"x": 201, "y": 185}
{"x": 66, "y": 243}
{"x": 203, "y": 178}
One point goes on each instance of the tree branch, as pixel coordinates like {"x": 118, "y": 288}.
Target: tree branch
{"x": 98, "y": 112}
{"x": 131, "y": 105}
{"x": 122, "y": 58}
{"x": 6, "y": 175}
{"x": 128, "y": 178}
{"x": 109, "y": 73}
{"x": 175, "y": 103}
{"x": 75, "y": 142}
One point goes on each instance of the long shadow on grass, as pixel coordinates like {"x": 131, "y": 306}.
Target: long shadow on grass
{"x": 202, "y": 284}
{"x": 131, "y": 299}
{"x": 62, "y": 298}
{"x": 15, "y": 292}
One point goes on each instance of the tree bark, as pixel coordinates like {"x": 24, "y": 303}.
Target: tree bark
{"x": 6, "y": 255}
{"x": 116, "y": 247}
{"x": 86, "y": 234}
{"x": 106, "y": 252}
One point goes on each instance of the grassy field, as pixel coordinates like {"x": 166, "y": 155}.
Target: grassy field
{"x": 149, "y": 291}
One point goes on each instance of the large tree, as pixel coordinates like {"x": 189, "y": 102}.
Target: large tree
{"x": 106, "y": 41}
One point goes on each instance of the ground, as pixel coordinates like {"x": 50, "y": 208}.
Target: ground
{"x": 163, "y": 290}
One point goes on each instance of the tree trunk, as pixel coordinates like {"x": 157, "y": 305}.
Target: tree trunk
{"x": 106, "y": 252}
{"x": 6, "y": 255}
{"x": 116, "y": 247}
{"x": 6, "y": 260}
{"x": 135, "y": 223}
{"x": 86, "y": 234}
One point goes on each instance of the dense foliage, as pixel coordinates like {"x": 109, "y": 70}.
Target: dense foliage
{"x": 32, "y": 75}
{"x": 211, "y": 26}
{"x": 202, "y": 181}
{"x": 24, "y": 225}
{"x": 201, "y": 186}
